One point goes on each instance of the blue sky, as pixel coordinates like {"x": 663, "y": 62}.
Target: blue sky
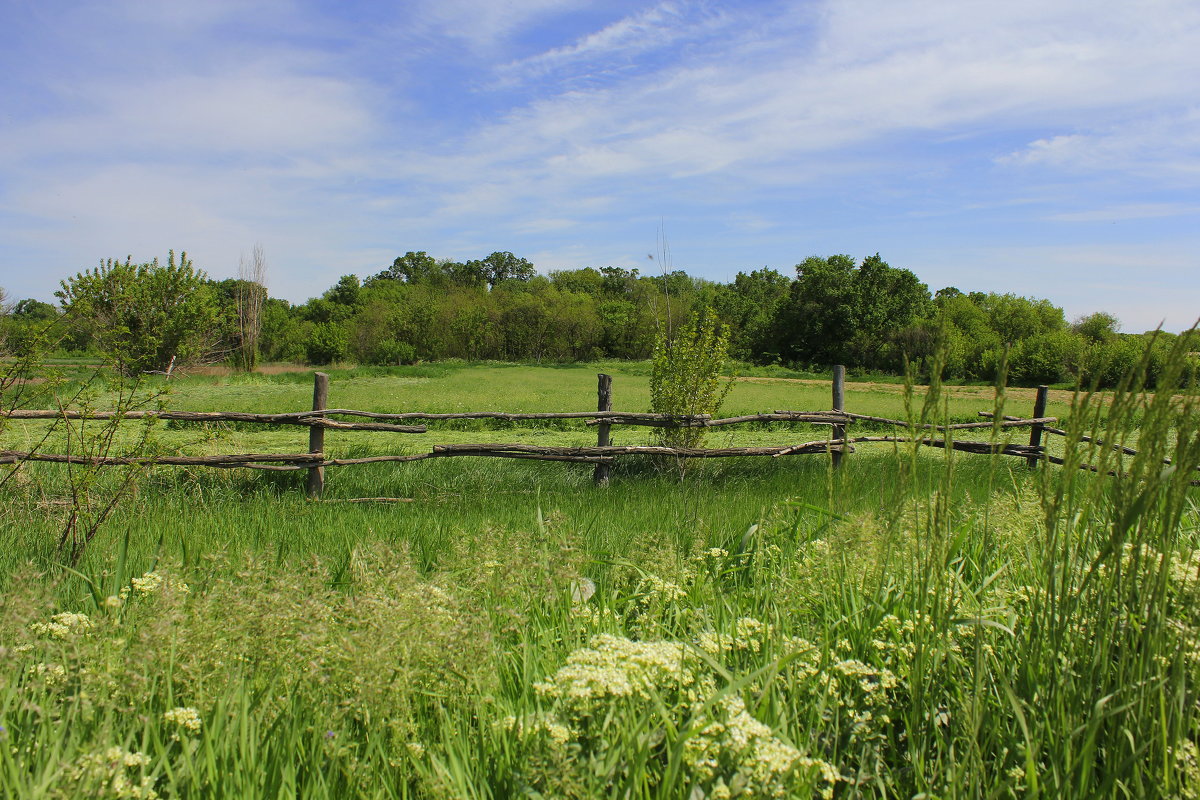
{"x": 1047, "y": 148}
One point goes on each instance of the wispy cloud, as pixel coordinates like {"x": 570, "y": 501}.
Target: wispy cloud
{"x": 483, "y": 23}
{"x": 1165, "y": 145}
{"x": 615, "y": 50}
{"x": 1130, "y": 211}
{"x": 1084, "y": 278}
{"x": 758, "y": 102}
{"x": 770, "y": 130}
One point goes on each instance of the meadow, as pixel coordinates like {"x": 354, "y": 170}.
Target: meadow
{"x": 917, "y": 623}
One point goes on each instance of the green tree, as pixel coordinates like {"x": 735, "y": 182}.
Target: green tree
{"x": 580, "y": 281}
{"x": 145, "y": 317}
{"x": 418, "y": 267}
{"x": 749, "y": 305}
{"x": 31, "y": 310}
{"x": 327, "y": 342}
{"x": 813, "y": 324}
{"x": 346, "y": 292}
{"x": 888, "y": 302}
{"x": 837, "y": 312}
{"x": 284, "y": 331}
{"x": 26, "y": 322}
{"x": 500, "y": 267}
{"x": 1097, "y": 328}
{"x": 1015, "y": 318}
{"x": 1049, "y": 357}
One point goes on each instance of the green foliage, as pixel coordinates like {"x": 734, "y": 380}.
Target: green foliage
{"x": 504, "y": 266}
{"x": 346, "y": 292}
{"x": 420, "y": 267}
{"x": 144, "y": 317}
{"x": 327, "y": 342}
{"x": 1050, "y": 357}
{"x": 390, "y": 351}
{"x": 686, "y": 376}
{"x": 1014, "y": 318}
{"x": 26, "y": 327}
{"x": 867, "y": 315}
{"x": 840, "y": 313}
{"x": 750, "y": 305}
{"x": 1097, "y": 328}
{"x": 412, "y": 267}
{"x": 283, "y": 332}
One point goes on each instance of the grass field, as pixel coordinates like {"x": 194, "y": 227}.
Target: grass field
{"x": 915, "y": 624}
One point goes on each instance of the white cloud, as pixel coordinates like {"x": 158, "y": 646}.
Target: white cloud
{"x": 877, "y": 70}
{"x": 245, "y": 113}
{"x": 1144, "y": 284}
{"x": 485, "y": 23}
{"x": 546, "y": 225}
{"x": 336, "y": 142}
{"x": 609, "y": 53}
{"x": 1129, "y": 211}
{"x": 1165, "y": 145}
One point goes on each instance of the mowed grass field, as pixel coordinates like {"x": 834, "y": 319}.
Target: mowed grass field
{"x": 914, "y": 624}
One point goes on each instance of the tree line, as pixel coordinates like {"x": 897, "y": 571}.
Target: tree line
{"x": 865, "y": 314}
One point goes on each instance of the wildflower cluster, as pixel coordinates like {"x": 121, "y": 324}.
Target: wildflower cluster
{"x": 653, "y": 590}
{"x": 152, "y": 583}
{"x": 51, "y": 675}
{"x": 614, "y": 681}
{"x": 749, "y": 635}
{"x": 62, "y": 625}
{"x": 614, "y": 667}
{"x": 183, "y": 719}
{"x": 735, "y": 755}
{"x": 112, "y": 772}
{"x": 556, "y": 734}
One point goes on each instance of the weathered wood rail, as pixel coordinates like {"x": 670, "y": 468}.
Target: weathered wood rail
{"x": 602, "y": 455}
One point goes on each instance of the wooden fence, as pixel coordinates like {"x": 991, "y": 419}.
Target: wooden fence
{"x": 602, "y": 455}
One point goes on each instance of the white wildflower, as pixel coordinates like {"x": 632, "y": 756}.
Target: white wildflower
{"x": 185, "y": 718}
{"x": 114, "y": 772}
{"x": 62, "y": 625}
{"x": 51, "y": 674}
{"x": 153, "y": 583}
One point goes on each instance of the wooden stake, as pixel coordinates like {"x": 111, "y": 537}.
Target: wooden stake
{"x": 316, "y": 434}
{"x": 839, "y": 404}
{"x": 1035, "y": 433}
{"x": 603, "y": 403}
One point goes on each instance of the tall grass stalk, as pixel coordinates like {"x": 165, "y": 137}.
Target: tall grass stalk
{"x": 915, "y": 625}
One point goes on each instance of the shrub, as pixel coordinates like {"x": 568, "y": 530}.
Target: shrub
{"x": 145, "y": 317}
{"x": 327, "y": 343}
{"x": 685, "y": 376}
{"x": 390, "y": 352}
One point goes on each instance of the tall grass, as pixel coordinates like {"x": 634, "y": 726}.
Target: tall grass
{"x": 915, "y": 624}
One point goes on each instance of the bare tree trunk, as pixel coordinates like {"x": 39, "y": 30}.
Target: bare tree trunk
{"x": 252, "y": 292}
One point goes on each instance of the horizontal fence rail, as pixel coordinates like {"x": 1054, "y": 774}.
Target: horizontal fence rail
{"x": 602, "y": 455}
{"x": 306, "y": 418}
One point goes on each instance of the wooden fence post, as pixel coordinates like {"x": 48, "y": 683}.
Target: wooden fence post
{"x": 603, "y": 403}
{"x": 316, "y": 434}
{"x": 1035, "y": 432}
{"x": 839, "y": 404}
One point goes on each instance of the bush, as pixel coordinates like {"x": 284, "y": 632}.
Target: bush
{"x": 145, "y": 317}
{"x": 685, "y": 376}
{"x": 326, "y": 343}
{"x": 1045, "y": 358}
{"x": 390, "y": 352}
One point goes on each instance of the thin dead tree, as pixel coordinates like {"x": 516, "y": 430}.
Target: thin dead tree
{"x": 251, "y": 294}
